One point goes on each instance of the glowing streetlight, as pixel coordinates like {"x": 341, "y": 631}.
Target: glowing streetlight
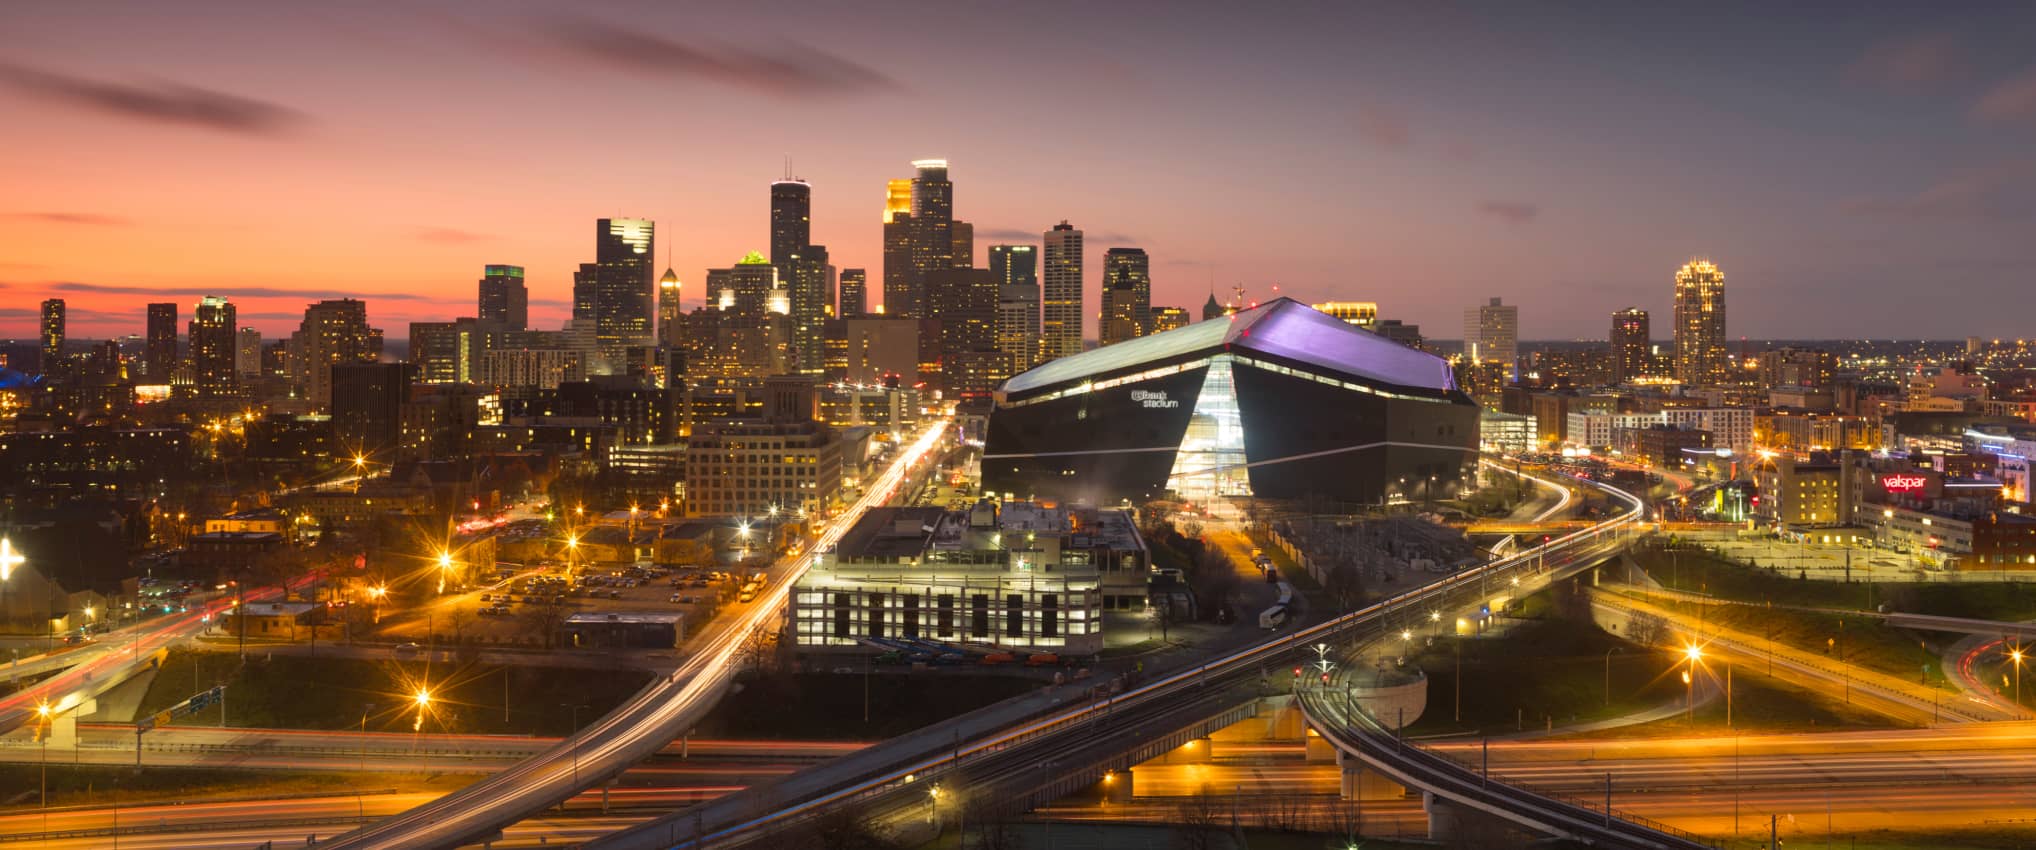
{"x": 2016, "y": 655}
{"x": 1694, "y": 653}
{"x": 444, "y": 568}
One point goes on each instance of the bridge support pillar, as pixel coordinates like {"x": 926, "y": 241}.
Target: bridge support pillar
{"x": 1442, "y": 817}
{"x": 1362, "y": 784}
{"x": 1195, "y": 751}
{"x": 1319, "y": 750}
{"x": 63, "y": 730}
{"x": 1283, "y": 718}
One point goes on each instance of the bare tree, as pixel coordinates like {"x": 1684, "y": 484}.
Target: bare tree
{"x": 1198, "y": 822}
{"x": 847, "y": 828}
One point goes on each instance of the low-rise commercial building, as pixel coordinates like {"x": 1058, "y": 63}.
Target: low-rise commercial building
{"x": 928, "y": 576}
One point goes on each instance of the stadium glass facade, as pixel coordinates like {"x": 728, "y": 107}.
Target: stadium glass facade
{"x": 1278, "y": 402}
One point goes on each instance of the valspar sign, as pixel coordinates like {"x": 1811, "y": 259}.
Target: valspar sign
{"x": 1904, "y": 483}
{"x": 1153, "y": 399}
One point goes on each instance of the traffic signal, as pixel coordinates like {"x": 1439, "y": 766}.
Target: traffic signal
{"x": 1297, "y": 672}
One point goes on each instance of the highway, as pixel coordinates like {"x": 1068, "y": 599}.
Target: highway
{"x": 1331, "y": 710}
{"x": 117, "y": 660}
{"x": 348, "y": 751}
{"x": 1895, "y": 697}
{"x": 639, "y": 727}
{"x": 1008, "y": 757}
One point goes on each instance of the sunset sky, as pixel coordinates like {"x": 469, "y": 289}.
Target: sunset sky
{"x": 1857, "y": 170}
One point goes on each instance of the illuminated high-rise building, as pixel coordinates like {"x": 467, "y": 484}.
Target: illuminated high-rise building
{"x": 1061, "y": 293}
{"x": 214, "y": 338}
{"x": 1363, "y": 314}
{"x": 805, "y": 275}
{"x": 1630, "y": 345}
{"x": 504, "y": 300}
{"x": 901, "y": 298}
{"x": 247, "y": 353}
{"x": 52, "y": 333}
{"x": 159, "y": 354}
{"x": 1015, "y": 268}
{"x": 964, "y": 302}
{"x": 1700, "y": 355}
{"x": 1127, "y": 295}
{"x": 1169, "y": 318}
{"x": 744, "y": 330}
{"x": 854, "y": 293}
{"x": 671, "y": 315}
{"x": 791, "y": 221}
{"x": 962, "y": 240}
{"x": 617, "y": 292}
{"x": 333, "y": 331}
{"x": 1491, "y": 333}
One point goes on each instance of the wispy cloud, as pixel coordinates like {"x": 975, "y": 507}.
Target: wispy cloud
{"x": 1383, "y": 126}
{"x": 2011, "y": 101}
{"x": 450, "y": 235}
{"x": 87, "y": 219}
{"x": 158, "y": 102}
{"x": 1911, "y": 64}
{"x": 789, "y": 70}
{"x": 1019, "y": 235}
{"x": 2001, "y": 193}
{"x": 1517, "y": 212}
{"x": 228, "y": 291}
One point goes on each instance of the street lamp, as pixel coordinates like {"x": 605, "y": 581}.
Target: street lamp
{"x": 1694, "y": 653}
{"x": 377, "y": 593}
{"x": 933, "y": 804}
{"x": 2016, "y": 655}
{"x": 423, "y": 700}
{"x": 444, "y": 568}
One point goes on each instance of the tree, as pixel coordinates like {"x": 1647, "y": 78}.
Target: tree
{"x": 1345, "y": 586}
{"x": 847, "y": 828}
{"x": 1198, "y": 822}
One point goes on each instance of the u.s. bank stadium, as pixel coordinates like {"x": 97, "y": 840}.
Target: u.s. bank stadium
{"x": 1279, "y": 401}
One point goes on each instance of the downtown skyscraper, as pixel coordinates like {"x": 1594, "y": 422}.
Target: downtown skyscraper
{"x": 616, "y": 295}
{"x": 1700, "y": 354}
{"x": 1127, "y": 295}
{"x": 52, "y": 333}
{"x": 854, "y": 293}
{"x": 1061, "y": 294}
{"x": 921, "y": 240}
{"x": 504, "y": 302}
{"x": 159, "y": 354}
{"x": 333, "y": 331}
{"x": 1016, "y": 271}
{"x": 791, "y": 221}
{"x": 1630, "y": 344}
{"x": 215, "y": 338}
{"x": 1491, "y": 333}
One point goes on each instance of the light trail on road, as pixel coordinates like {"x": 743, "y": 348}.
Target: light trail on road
{"x": 636, "y": 729}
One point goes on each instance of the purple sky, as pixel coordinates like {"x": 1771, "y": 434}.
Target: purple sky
{"x": 1856, "y": 171}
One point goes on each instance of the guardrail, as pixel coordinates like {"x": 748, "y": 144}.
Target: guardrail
{"x": 1439, "y": 774}
{"x": 880, "y": 782}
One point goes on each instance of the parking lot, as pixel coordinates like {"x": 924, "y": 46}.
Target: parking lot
{"x": 523, "y": 603}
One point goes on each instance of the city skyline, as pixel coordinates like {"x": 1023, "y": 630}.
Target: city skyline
{"x": 150, "y": 175}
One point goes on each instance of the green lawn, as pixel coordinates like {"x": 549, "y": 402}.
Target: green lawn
{"x": 1541, "y": 670}
{"x": 831, "y": 705}
{"x": 292, "y": 692}
{"x": 1858, "y": 639}
{"x": 1700, "y": 571}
